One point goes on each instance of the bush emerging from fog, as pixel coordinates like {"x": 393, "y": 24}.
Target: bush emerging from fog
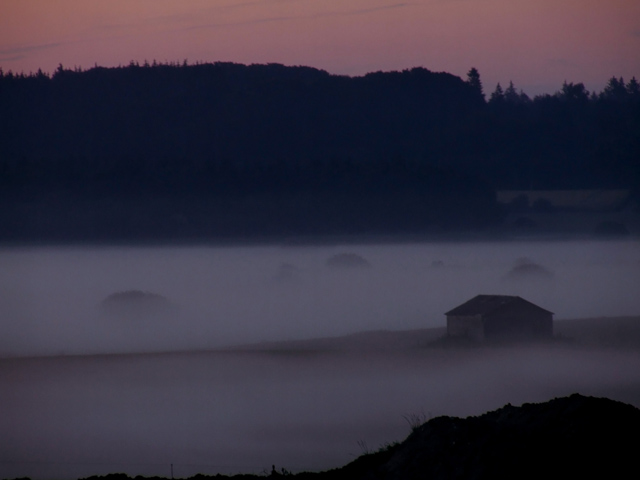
{"x": 347, "y": 260}
{"x": 526, "y": 269}
{"x": 287, "y": 272}
{"x": 134, "y": 301}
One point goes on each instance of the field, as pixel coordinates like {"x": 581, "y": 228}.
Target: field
{"x": 304, "y": 405}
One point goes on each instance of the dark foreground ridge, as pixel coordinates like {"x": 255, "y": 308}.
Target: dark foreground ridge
{"x": 565, "y": 437}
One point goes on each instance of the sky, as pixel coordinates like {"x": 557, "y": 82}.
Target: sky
{"x": 537, "y": 44}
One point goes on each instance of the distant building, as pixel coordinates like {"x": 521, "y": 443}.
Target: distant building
{"x": 572, "y": 200}
{"x": 487, "y": 317}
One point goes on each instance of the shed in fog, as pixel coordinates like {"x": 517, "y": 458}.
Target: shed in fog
{"x": 487, "y": 317}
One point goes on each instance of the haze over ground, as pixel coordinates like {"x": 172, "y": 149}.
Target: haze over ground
{"x": 221, "y": 296}
{"x": 537, "y": 44}
{"x": 76, "y": 416}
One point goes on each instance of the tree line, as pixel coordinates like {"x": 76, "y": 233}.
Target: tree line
{"x": 217, "y": 149}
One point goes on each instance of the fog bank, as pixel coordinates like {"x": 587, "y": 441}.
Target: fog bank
{"x": 50, "y": 298}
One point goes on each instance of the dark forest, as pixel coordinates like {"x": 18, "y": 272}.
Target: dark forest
{"x": 229, "y": 151}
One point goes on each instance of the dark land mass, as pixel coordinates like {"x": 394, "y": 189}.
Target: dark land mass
{"x": 228, "y": 152}
{"x": 569, "y": 437}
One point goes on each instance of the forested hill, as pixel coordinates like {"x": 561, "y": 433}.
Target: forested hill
{"x": 229, "y": 112}
{"x": 209, "y": 150}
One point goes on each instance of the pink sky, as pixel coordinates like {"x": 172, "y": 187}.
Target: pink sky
{"x": 537, "y": 44}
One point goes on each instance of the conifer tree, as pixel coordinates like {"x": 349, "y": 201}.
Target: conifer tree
{"x": 473, "y": 79}
{"x": 510, "y": 94}
{"x": 497, "y": 97}
{"x": 633, "y": 88}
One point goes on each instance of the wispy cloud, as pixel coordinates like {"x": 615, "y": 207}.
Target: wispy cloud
{"x": 363, "y": 11}
{"x": 15, "y": 58}
{"x": 282, "y": 18}
{"x": 28, "y": 48}
{"x": 188, "y": 16}
{"x": 13, "y": 54}
{"x": 196, "y": 20}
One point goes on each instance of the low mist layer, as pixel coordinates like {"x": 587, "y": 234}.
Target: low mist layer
{"x": 71, "y": 417}
{"x": 52, "y": 299}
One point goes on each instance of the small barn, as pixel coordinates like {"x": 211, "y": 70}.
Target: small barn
{"x": 487, "y": 317}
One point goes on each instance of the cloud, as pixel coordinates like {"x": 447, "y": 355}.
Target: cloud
{"x": 363, "y": 11}
{"x": 28, "y": 49}
{"x": 196, "y": 19}
{"x": 282, "y": 18}
{"x": 11, "y": 59}
{"x": 16, "y": 53}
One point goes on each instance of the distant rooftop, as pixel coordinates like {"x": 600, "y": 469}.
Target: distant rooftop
{"x": 484, "y": 304}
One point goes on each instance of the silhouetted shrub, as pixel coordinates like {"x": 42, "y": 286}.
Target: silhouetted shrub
{"x": 347, "y": 260}
{"x": 286, "y": 271}
{"x": 525, "y": 269}
{"x": 134, "y": 301}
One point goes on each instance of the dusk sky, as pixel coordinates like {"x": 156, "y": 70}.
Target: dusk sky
{"x": 537, "y": 44}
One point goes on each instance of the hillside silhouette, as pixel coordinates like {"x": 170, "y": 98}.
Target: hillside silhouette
{"x": 178, "y": 151}
{"x": 567, "y": 437}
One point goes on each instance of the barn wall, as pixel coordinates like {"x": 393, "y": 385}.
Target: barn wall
{"x": 533, "y": 324}
{"x": 465, "y": 326}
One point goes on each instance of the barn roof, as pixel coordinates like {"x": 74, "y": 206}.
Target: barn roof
{"x": 484, "y": 304}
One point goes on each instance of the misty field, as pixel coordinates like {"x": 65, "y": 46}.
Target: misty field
{"x": 68, "y": 417}
{"x": 91, "y": 391}
{"x": 51, "y": 298}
